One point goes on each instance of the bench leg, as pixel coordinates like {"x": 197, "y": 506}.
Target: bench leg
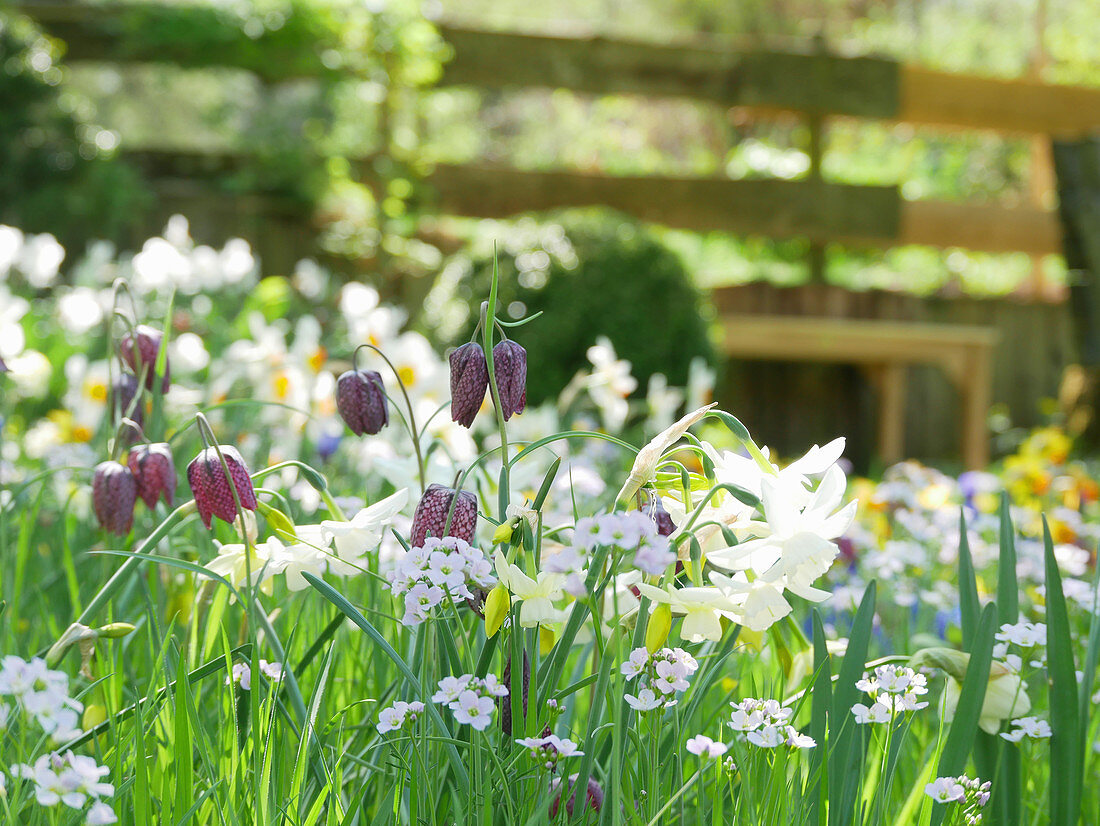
{"x": 891, "y": 380}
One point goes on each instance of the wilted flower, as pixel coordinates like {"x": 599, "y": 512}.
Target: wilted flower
{"x": 148, "y": 345}
{"x": 154, "y": 472}
{"x": 469, "y": 381}
{"x": 431, "y": 513}
{"x": 361, "y": 401}
{"x": 113, "y": 494}
{"x": 210, "y": 486}
{"x": 510, "y": 370}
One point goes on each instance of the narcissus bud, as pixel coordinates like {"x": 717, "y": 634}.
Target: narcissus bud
{"x": 497, "y": 605}
{"x": 154, "y": 473}
{"x": 506, "y": 702}
{"x": 148, "y": 345}
{"x": 510, "y": 370}
{"x": 361, "y": 401}
{"x": 469, "y": 381}
{"x": 594, "y": 797}
{"x": 123, "y": 390}
{"x": 113, "y": 495}
{"x": 213, "y": 496}
{"x": 431, "y": 515}
{"x": 656, "y": 630}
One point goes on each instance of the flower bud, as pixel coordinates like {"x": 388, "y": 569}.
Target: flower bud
{"x": 497, "y": 605}
{"x": 154, "y": 473}
{"x": 510, "y": 370}
{"x": 123, "y": 390}
{"x": 113, "y": 495}
{"x": 594, "y": 797}
{"x": 94, "y": 714}
{"x": 656, "y": 511}
{"x": 469, "y": 381}
{"x": 431, "y": 515}
{"x": 547, "y": 638}
{"x": 506, "y": 702}
{"x": 148, "y": 345}
{"x": 361, "y": 400}
{"x": 115, "y": 630}
{"x": 656, "y": 630}
{"x": 210, "y": 486}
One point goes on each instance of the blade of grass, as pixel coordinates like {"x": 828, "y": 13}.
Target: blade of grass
{"x": 969, "y": 607}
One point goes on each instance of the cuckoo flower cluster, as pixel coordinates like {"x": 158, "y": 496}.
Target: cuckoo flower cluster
{"x": 397, "y": 716}
{"x": 447, "y": 568}
{"x": 548, "y": 749}
{"x": 1030, "y": 638}
{"x": 969, "y": 793}
{"x": 766, "y": 723}
{"x": 41, "y": 696}
{"x": 661, "y": 676}
{"x": 471, "y": 699}
{"x": 242, "y": 674}
{"x": 893, "y": 690}
{"x": 634, "y": 533}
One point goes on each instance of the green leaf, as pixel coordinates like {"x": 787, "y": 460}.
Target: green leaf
{"x": 350, "y": 611}
{"x": 969, "y": 606}
{"x": 732, "y": 422}
{"x": 1008, "y": 589}
{"x": 1066, "y": 758}
{"x": 820, "y": 702}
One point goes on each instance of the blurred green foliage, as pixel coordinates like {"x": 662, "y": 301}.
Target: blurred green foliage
{"x": 592, "y": 273}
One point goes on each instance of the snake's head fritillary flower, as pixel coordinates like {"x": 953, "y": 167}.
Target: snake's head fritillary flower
{"x": 656, "y": 511}
{"x": 113, "y": 494}
{"x": 430, "y": 517}
{"x": 147, "y": 346}
{"x": 594, "y": 796}
{"x": 361, "y": 401}
{"x": 506, "y": 702}
{"x": 210, "y": 486}
{"x": 510, "y": 370}
{"x": 154, "y": 473}
{"x": 123, "y": 390}
{"x": 469, "y": 381}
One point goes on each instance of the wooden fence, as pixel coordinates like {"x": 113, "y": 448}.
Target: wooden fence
{"x": 805, "y": 80}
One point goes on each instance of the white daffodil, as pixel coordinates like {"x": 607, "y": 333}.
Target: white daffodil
{"x": 1005, "y": 698}
{"x": 760, "y": 604}
{"x": 362, "y": 533}
{"x": 234, "y": 564}
{"x": 538, "y": 594}
{"x": 793, "y": 479}
{"x": 310, "y": 553}
{"x": 796, "y": 546}
{"x": 701, "y": 607}
{"x": 649, "y": 457}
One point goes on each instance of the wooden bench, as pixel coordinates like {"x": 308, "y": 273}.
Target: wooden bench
{"x": 885, "y": 349}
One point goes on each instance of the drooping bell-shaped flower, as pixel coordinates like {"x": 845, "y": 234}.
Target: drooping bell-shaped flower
{"x": 154, "y": 473}
{"x": 594, "y": 797}
{"x": 510, "y": 370}
{"x": 655, "y": 510}
{"x": 113, "y": 495}
{"x": 210, "y": 487}
{"x": 506, "y": 702}
{"x": 123, "y": 390}
{"x": 148, "y": 345}
{"x": 469, "y": 381}
{"x": 361, "y": 401}
{"x": 431, "y": 512}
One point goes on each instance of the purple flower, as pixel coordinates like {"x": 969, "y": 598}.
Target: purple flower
{"x": 154, "y": 473}
{"x": 210, "y": 486}
{"x": 113, "y": 495}
{"x": 431, "y": 515}
{"x": 506, "y": 702}
{"x": 510, "y": 369}
{"x": 594, "y": 796}
{"x": 123, "y": 390}
{"x": 148, "y": 345}
{"x": 656, "y": 511}
{"x": 361, "y": 400}
{"x": 469, "y": 381}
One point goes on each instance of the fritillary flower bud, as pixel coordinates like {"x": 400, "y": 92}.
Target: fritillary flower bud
{"x": 213, "y": 496}
{"x": 506, "y": 702}
{"x": 510, "y": 369}
{"x": 656, "y": 511}
{"x": 469, "y": 381}
{"x": 148, "y": 345}
{"x": 594, "y": 797}
{"x": 113, "y": 494}
{"x": 123, "y": 390}
{"x": 154, "y": 472}
{"x": 431, "y": 515}
{"x": 361, "y": 401}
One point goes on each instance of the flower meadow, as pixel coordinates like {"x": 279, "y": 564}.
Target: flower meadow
{"x": 271, "y": 557}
